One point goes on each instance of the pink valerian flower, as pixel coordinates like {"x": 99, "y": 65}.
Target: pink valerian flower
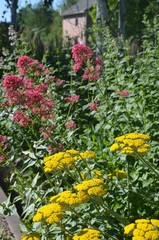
{"x": 60, "y": 82}
{"x": 46, "y": 131}
{"x": 41, "y": 88}
{"x": 98, "y": 61}
{"x": 93, "y": 106}
{"x": 123, "y": 93}
{"x": 3, "y": 146}
{"x": 72, "y": 99}
{"x": 44, "y": 108}
{"x": 3, "y": 141}
{"x": 33, "y": 96}
{"x": 70, "y": 124}
{"x": 57, "y": 149}
{"x": 2, "y": 158}
{"x": 28, "y": 83}
{"x": 28, "y": 65}
{"x": 50, "y": 80}
{"x": 81, "y": 53}
{"x": 5, "y": 105}
{"x": 47, "y": 134}
{"x": 12, "y": 82}
{"x": 20, "y": 116}
{"x": 15, "y": 97}
{"x": 91, "y": 73}
{"x": 77, "y": 66}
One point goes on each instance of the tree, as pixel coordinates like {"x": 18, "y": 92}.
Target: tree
{"x": 13, "y": 5}
{"x": 66, "y": 4}
{"x": 41, "y": 27}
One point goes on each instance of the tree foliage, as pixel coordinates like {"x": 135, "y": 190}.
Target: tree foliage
{"x": 41, "y": 26}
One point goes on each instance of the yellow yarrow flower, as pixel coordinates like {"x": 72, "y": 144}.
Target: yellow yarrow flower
{"x": 143, "y": 229}
{"x": 87, "y": 234}
{"x": 129, "y": 229}
{"x": 73, "y": 152}
{"x": 142, "y": 221}
{"x": 155, "y": 222}
{"x": 67, "y": 198}
{"x": 138, "y": 232}
{"x": 92, "y": 187}
{"x": 31, "y": 236}
{"x": 66, "y": 159}
{"x": 145, "y": 226}
{"x": 131, "y": 143}
{"x": 138, "y": 238}
{"x": 51, "y": 213}
{"x": 114, "y": 147}
{"x": 59, "y": 161}
{"x": 152, "y": 235}
{"x": 110, "y": 176}
{"x": 97, "y": 173}
{"x": 120, "y": 174}
{"x": 87, "y": 154}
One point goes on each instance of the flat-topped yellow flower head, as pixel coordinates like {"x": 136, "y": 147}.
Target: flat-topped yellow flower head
{"x": 131, "y": 143}
{"x": 87, "y": 234}
{"x": 143, "y": 229}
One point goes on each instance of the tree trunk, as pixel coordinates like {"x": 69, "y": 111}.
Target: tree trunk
{"x": 13, "y": 8}
{"x": 101, "y": 17}
{"x": 121, "y": 18}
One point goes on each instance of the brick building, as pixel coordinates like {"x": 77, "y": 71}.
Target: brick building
{"x": 76, "y": 21}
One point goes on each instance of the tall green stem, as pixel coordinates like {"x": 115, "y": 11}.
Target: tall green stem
{"x": 149, "y": 165}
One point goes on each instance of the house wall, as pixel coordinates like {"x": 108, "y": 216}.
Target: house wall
{"x": 74, "y": 29}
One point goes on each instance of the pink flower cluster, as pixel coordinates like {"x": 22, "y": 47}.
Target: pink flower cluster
{"x": 28, "y": 94}
{"x": 93, "y": 106}
{"x": 3, "y": 146}
{"x": 46, "y": 131}
{"x": 123, "y": 93}
{"x": 12, "y": 82}
{"x": 70, "y": 125}
{"x": 3, "y": 141}
{"x": 72, "y": 99}
{"x": 82, "y": 55}
{"x": 27, "y": 65}
{"x": 20, "y": 116}
{"x": 58, "y": 148}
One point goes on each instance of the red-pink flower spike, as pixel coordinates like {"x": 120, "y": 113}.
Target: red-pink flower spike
{"x": 70, "y": 124}
{"x": 27, "y": 65}
{"x": 81, "y": 53}
{"x": 93, "y": 106}
{"x": 123, "y": 93}
{"x": 73, "y": 98}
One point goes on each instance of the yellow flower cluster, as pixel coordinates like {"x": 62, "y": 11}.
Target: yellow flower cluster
{"x": 91, "y": 187}
{"x": 69, "y": 198}
{"x": 31, "y": 236}
{"x": 87, "y": 234}
{"x": 63, "y": 160}
{"x": 87, "y": 154}
{"x": 120, "y": 174}
{"x": 143, "y": 229}
{"x": 131, "y": 143}
{"x": 51, "y": 213}
{"x": 58, "y": 161}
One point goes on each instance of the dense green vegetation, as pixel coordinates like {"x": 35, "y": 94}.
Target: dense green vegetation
{"x": 79, "y": 135}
